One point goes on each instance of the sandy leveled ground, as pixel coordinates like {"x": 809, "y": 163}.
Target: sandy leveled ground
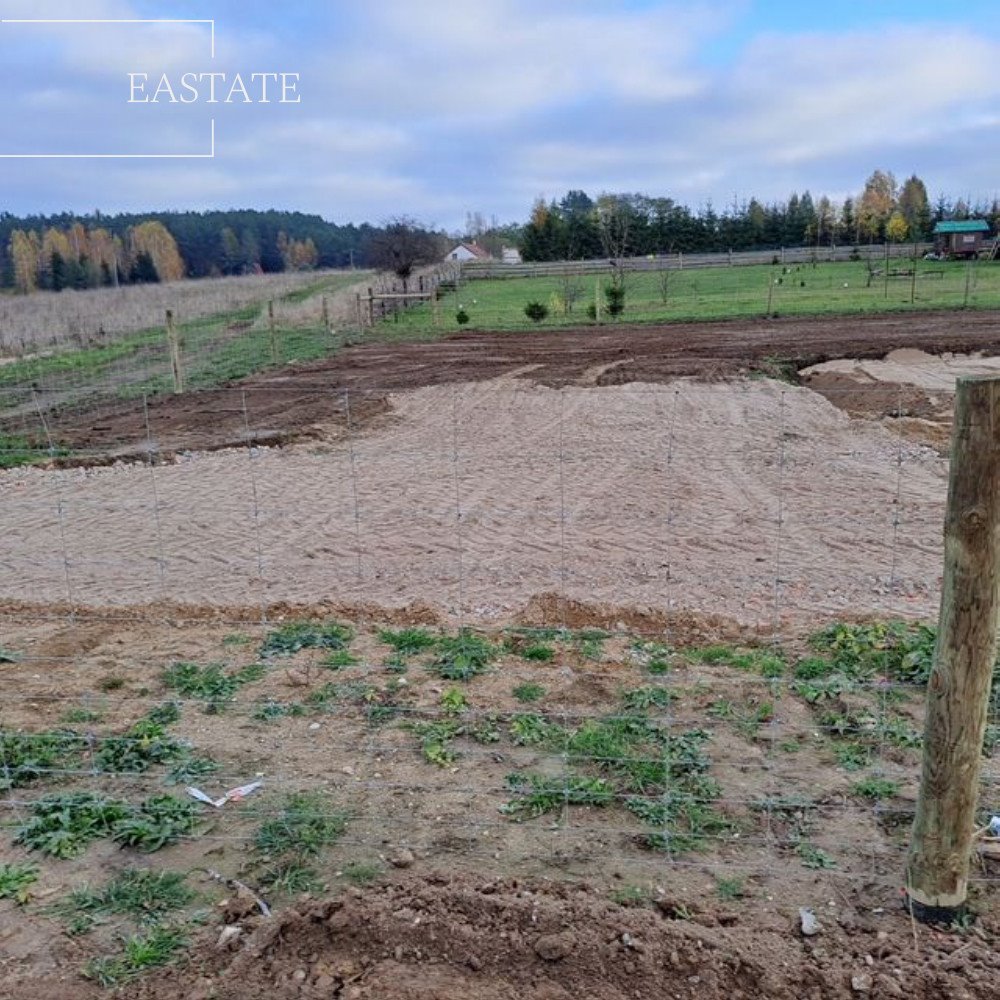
{"x": 752, "y": 498}
{"x": 907, "y": 366}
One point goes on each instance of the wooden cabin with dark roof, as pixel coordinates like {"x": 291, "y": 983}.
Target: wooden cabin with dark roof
{"x": 965, "y": 239}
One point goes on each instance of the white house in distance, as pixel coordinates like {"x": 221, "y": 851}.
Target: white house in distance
{"x": 511, "y": 255}
{"x": 468, "y": 251}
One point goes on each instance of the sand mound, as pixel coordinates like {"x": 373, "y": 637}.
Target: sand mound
{"x": 908, "y": 366}
{"x": 751, "y": 499}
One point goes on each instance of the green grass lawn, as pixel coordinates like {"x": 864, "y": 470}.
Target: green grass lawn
{"x": 715, "y": 293}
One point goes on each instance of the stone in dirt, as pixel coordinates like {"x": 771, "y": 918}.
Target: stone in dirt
{"x": 555, "y": 947}
{"x": 403, "y": 858}
{"x": 808, "y": 923}
{"x": 228, "y": 936}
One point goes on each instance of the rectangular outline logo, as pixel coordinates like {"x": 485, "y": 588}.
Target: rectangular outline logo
{"x": 116, "y": 156}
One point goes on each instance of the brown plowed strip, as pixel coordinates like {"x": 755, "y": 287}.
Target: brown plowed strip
{"x": 445, "y": 937}
{"x": 291, "y": 404}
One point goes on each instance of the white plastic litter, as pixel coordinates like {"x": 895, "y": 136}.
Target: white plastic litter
{"x": 233, "y": 795}
{"x": 993, "y": 829}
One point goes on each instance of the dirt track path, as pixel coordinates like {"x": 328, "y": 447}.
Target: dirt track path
{"x": 651, "y": 353}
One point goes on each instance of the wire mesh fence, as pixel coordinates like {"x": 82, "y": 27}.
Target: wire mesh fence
{"x": 674, "y": 628}
{"x": 68, "y": 352}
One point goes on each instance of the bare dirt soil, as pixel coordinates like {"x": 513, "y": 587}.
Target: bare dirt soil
{"x": 570, "y": 903}
{"x": 449, "y": 938}
{"x": 289, "y": 404}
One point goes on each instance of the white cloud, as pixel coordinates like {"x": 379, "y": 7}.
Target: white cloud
{"x": 510, "y": 57}
{"x": 797, "y": 99}
{"x": 796, "y": 111}
{"x": 319, "y": 137}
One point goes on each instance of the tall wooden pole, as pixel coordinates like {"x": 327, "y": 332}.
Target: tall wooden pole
{"x": 270, "y": 326}
{"x": 173, "y": 342}
{"x": 959, "y": 687}
{"x": 326, "y": 315}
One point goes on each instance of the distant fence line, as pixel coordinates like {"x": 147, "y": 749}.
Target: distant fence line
{"x": 389, "y": 295}
{"x": 472, "y": 270}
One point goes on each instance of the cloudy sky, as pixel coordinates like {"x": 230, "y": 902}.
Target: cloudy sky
{"x": 436, "y": 108}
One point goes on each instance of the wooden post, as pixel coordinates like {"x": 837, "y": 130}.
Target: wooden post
{"x": 270, "y": 326}
{"x": 173, "y": 342}
{"x": 436, "y": 308}
{"x": 959, "y": 687}
{"x": 913, "y": 277}
{"x": 968, "y": 282}
{"x": 770, "y": 293}
{"x": 360, "y": 317}
{"x": 371, "y": 308}
{"x": 326, "y": 315}
{"x": 886, "y": 279}
{"x": 597, "y": 299}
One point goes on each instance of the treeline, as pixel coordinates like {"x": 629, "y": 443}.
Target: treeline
{"x": 579, "y": 227}
{"x": 78, "y": 257}
{"x": 68, "y": 251}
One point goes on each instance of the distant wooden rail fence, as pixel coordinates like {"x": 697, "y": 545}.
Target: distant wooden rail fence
{"x": 473, "y": 270}
{"x": 390, "y": 296}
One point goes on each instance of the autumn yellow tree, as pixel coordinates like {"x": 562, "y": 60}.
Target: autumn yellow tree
{"x": 297, "y": 255}
{"x": 303, "y": 255}
{"x": 24, "y": 252}
{"x": 916, "y": 208}
{"x": 105, "y": 253}
{"x": 53, "y": 260}
{"x": 154, "y": 240}
{"x": 896, "y": 229}
{"x": 876, "y": 204}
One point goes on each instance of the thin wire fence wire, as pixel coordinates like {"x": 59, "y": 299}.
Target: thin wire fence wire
{"x": 161, "y": 562}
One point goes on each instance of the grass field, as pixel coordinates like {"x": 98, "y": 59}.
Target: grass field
{"x": 216, "y": 346}
{"x": 720, "y": 293}
{"x": 47, "y": 321}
